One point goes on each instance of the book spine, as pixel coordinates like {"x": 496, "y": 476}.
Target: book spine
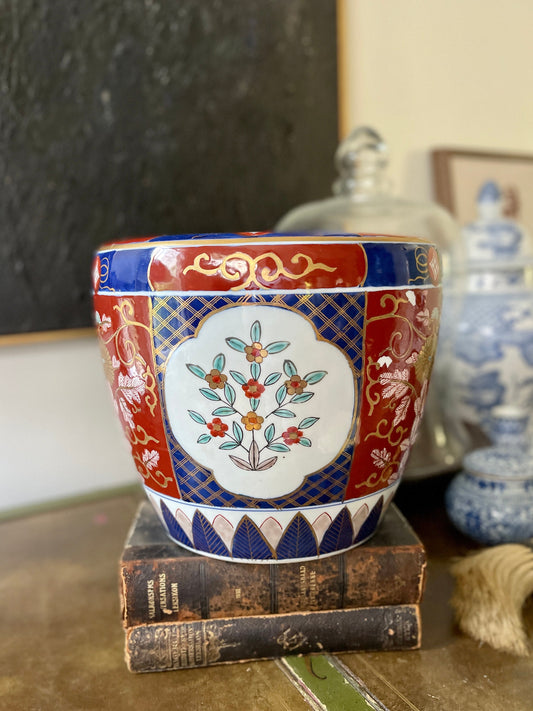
{"x": 201, "y": 588}
{"x": 184, "y": 645}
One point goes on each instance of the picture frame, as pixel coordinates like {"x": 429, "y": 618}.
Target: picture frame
{"x": 459, "y": 175}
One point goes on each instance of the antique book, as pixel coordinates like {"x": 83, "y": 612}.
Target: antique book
{"x": 181, "y": 645}
{"x": 163, "y": 582}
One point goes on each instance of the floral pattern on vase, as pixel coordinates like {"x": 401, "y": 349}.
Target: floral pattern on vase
{"x": 253, "y": 418}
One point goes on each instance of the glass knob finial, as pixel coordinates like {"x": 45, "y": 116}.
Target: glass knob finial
{"x": 361, "y": 160}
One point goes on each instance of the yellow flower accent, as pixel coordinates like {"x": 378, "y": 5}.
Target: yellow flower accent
{"x": 255, "y": 352}
{"x": 252, "y": 421}
{"x": 109, "y": 370}
{"x": 216, "y": 379}
{"x": 296, "y": 385}
{"x": 426, "y": 357}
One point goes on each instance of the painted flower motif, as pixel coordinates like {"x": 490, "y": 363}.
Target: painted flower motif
{"x": 216, "y": 379}
{"x": 150, "y": 458}
{"x": 393, "y": 477}
{"x": 295, "y": 385}
{"x": 381, "y": 457}
{"x": 217, "y": 428}
{"x": 252, "y": 421}
{"x": 424, "y": 317}
{"x": 253, "y": 389}
{"x": 103, "y": 322}
{"x": 292, "y": 435}
{"x": 401, "y": 410}
{"x": 384, "y": 361}
{"x": 126, "y": 413}
{"x": 425, "y": 359}
{"x": 243, "y": 423}
{"x": 395, "y": 383}
{"x": 132, "y": 387}
{"x": 255, "y": 353}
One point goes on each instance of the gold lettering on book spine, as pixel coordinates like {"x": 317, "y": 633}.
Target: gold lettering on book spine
{"x": 239, "y": 265}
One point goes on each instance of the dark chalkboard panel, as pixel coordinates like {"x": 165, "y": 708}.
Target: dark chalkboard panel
{"x": 141, "y": 117}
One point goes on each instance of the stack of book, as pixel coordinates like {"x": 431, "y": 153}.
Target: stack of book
{"x": 183, "y": 610}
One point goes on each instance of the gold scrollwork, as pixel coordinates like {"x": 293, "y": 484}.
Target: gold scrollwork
{"x": 157, "y": 476}
{"x": 240, "y": 265}
{"x": 401, "y": 342}
{"x": 399, "y": 431}
{"x": 422, "y": 265}
{"x": 104, "y": 275}
{"x": 142, "y": 438}
{"x": 381, "y": 477}
{"x": 151, "y": 397}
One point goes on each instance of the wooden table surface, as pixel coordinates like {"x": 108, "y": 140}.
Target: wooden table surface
{"x": 61, "y": 641}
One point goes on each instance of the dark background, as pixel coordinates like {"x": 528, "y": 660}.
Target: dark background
{"x": 139, "y": 117}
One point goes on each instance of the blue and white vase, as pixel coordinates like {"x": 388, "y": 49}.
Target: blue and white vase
{"x": 493, "y": 348}
{"x": 491, "y": 500}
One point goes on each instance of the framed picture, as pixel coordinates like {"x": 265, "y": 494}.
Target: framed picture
{"x": 459, "y": 176}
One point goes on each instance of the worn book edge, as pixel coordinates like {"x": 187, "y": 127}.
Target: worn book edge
{"x": 166, "y": 646}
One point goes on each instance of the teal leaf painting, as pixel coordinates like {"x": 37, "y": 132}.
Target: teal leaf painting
{"x": 229, "y": 445}
{"x": 272, "y": 378}
{"x": 209, "y": 394}
{"x": 281, "y": 394}
{"x": 278, "y": 447}
{"x": 197, "y": 417}
{"x": 238, "y": 377}
{"x": 196, "y": 370}
{"x": 307, "y": 422}
{"x": 277, "y": 347}
{"x": 269, "y": 433}
{"x": 289, "y": 368}
{"x": 255, "y": 332}
{"x": 229, "y": 393}
{"x": 237, "y": 432}
{"x": 302, "y": 397}
{"x": 223, "y": 411}
{"x": 236, "y": 344}
{"x": 219, "y": 362}
{"x": 255, "y": 370}
{"x": 283, "y": 413}
{"x": 315, "y": 377}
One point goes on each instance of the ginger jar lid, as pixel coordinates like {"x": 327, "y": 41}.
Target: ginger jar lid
{"x": 495, "y": 239}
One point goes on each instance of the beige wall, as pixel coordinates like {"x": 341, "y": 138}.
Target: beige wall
{"x": 428, "y": 73}
{"x": 58, "y": 433}
{"x": 425, "y": 73}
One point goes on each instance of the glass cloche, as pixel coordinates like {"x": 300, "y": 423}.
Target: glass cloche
{"x": 362, "y": 203}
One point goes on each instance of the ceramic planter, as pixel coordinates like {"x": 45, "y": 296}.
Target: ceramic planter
{"x": 270, "y": 386}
